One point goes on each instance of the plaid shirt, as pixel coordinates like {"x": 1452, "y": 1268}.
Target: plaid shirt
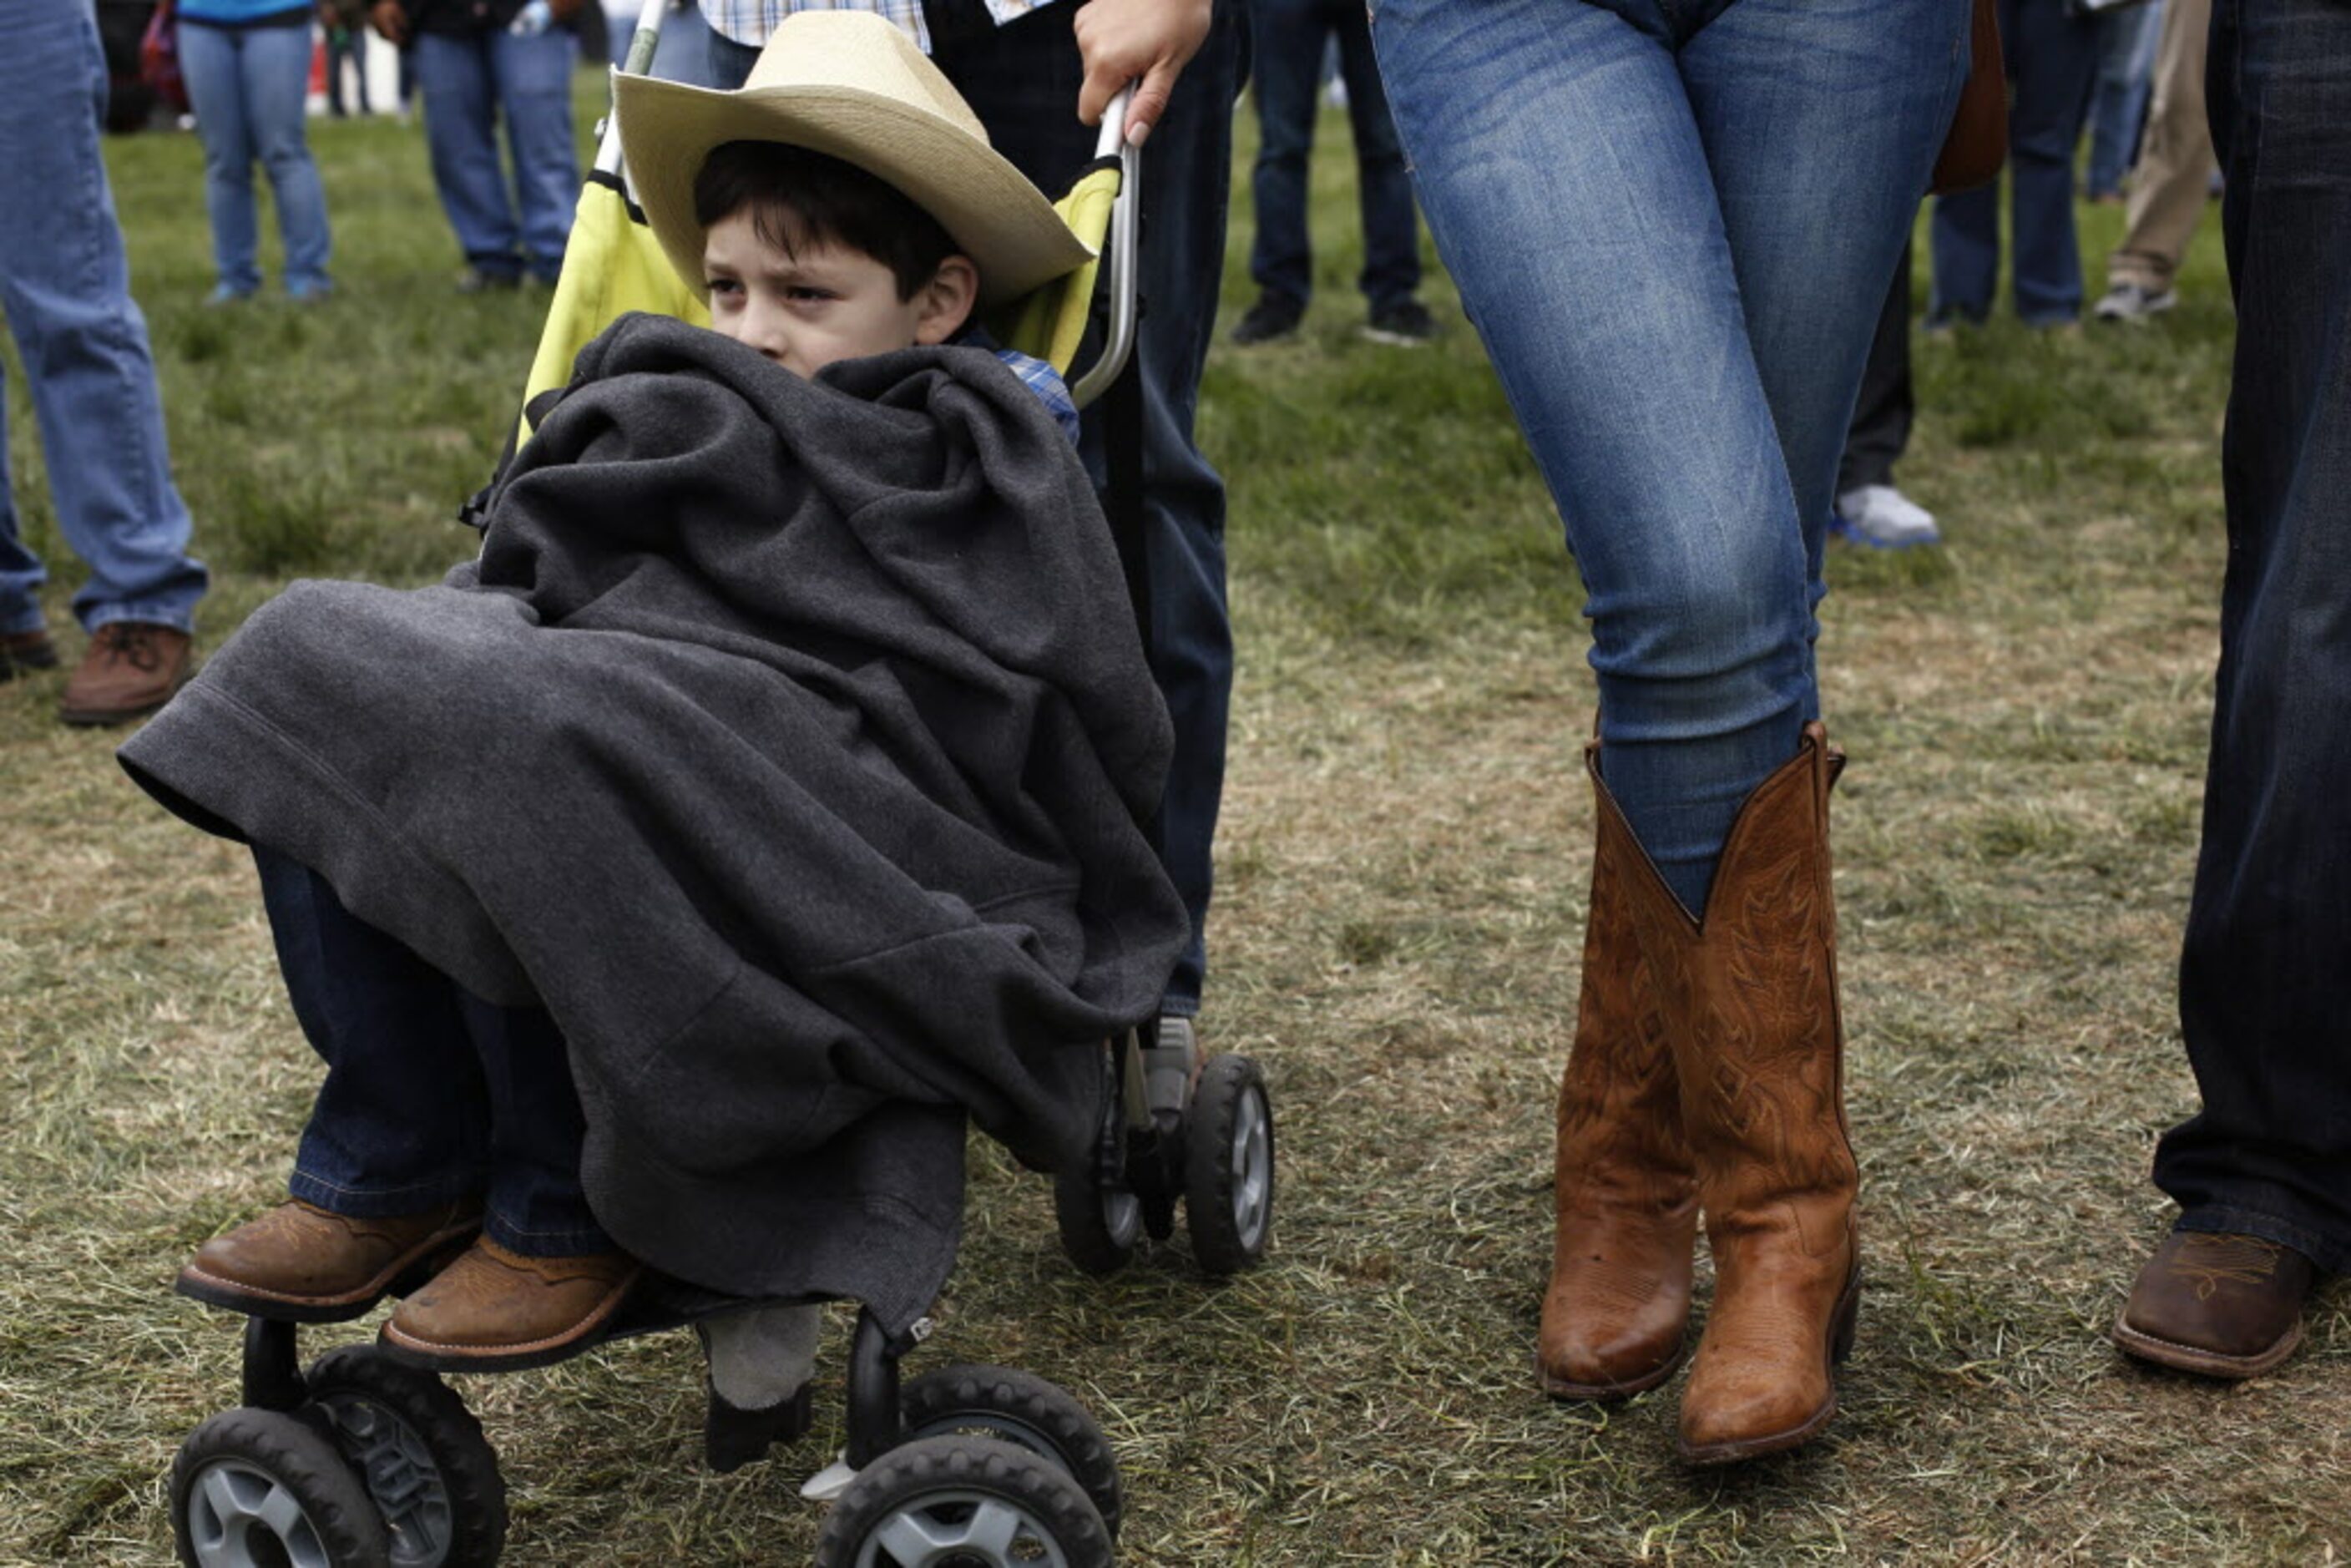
{"x": 1046, "y": 381}
{"x": 751, "y": 21}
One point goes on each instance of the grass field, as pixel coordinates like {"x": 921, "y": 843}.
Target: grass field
{"x": 1403, "y": 865}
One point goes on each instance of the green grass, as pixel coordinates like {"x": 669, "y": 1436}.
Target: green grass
{"x": 1403, "y": 863}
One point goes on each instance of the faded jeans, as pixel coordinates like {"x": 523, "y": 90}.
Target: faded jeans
{"x": 248, "y": 86}
{"x": 2265, "y": 993}
{"x": 471, "y": 83}
{"x": 1674, "y": 226}
{"x": 66, "y": 290}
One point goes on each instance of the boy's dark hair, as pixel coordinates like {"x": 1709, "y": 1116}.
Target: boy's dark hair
{"x": 798, "y": 197}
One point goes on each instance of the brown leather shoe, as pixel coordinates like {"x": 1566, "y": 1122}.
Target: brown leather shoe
{"x": 132, "y": 669}
{"x": 1749, "y": 996}
{"x": 1616, "y": 1316}
{"x": 298, "y": 1263}
{"x": 492, "y": 1310}
{"x": 2217, "y": 1303}
{"x": 23, "y": 651}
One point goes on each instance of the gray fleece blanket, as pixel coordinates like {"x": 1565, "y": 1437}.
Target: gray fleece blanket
{"x": 788, "y": 741}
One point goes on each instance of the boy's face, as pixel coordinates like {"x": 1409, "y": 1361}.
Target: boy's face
{"x": 827, "y": 302}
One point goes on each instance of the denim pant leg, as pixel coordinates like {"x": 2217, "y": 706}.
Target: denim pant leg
{"x": 400, "y": 1123}
{"x": 65, "y": 289}
{"x": 1391, "y": 273}
{"x": 2056, "y": 60}
{"x": 431, "y": 1093}
{"x": 211, "y": 64}
{"x": 2264, "y": 993}
{"x": 275, "y": 66}
{"x": 2118, "y": 103}
{"x": 1676, "y": 250}
{"x": 534, "y": 94}
{"x": 452, "y": 72}
{"x": 1287, "y": 38}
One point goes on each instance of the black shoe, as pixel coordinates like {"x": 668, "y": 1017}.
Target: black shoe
{"x": 1407, "y": 325}
{"x": 1271, "y": 318}
{"x": 473, "y": 280}
{"x": 733, "y": 1438}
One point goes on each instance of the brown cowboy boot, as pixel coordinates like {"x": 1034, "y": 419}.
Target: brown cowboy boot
{"x": 1751, "y": 1004}
{"x": 1617, "y": 1313}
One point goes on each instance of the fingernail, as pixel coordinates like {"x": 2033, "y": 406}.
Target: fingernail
{"x": 1136, "y": 133}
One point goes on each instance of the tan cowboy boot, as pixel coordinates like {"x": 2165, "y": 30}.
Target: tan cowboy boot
{"x": 1750, "y": 1005}
{"x": 1617, "y": 1313}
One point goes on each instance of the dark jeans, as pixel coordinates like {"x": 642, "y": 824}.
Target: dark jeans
{"x": 431, "y": 1093}
{"x": 1286, "y": 70}
{"x": 1882, "y": 416}
{"x": 1022, "y": 81}
{"x": 2053, "y": 58}
{"x": 2265, "y": 974}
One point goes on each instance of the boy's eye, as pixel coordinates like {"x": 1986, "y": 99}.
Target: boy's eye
{"x": 724, "y": 286}
{"x": 805, "y": 293}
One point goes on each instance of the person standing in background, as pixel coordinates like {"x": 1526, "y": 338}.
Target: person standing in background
{"x": 247, "y": 67}
{"x": 346, "y": 25}
{"x": 478, "y": 62}
{"x": 2052, "y": 56}
{"x": 66, "y": 288}
{"x": 2172, "y": 182}
{"x": 1871, "y": 510}
{"x": 2127, "y": 36}
{"x": 1286, "y": 78}
{"x": 2263, "y": 1172}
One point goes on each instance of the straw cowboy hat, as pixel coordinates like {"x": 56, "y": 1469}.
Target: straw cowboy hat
{"x": 854, "y": 85}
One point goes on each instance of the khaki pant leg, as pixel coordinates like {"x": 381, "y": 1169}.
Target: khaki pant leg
{"x": 2171, "y": 184}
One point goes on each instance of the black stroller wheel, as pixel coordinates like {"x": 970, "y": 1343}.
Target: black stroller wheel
{"x": 420, "y": 1453}
{"x": 963, "y": 1502}
{"x": 259, "y": 1488}
{"x": 1228, "y": 1167}
{"x": 1022, "y": 1410}
{"x": 1100, "y": 1224}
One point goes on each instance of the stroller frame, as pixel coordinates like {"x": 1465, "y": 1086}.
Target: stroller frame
{"x": 366, "y": 1457}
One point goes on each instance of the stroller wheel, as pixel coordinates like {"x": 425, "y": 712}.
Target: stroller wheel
{"x": 1022, "y": 1410}
{"x": 1100, "y": 1224}
{"x": 963, "y": 1502}
{"x": 259, "y": 1488}
{"x": 421, "y": 1455}
{"x": 1228, "y": 1167}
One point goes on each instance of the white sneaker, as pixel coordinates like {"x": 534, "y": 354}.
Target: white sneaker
{"x": 2130, "y": 302}
{"x": 1883, "y": 517}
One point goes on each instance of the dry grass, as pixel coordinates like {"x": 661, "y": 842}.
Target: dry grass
{"x": 1403, "y": 865}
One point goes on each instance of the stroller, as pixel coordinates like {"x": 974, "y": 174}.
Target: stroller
{"x": 363, "y": 1458}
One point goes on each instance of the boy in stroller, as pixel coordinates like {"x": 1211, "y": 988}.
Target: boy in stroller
{"x": 666, "y": 886}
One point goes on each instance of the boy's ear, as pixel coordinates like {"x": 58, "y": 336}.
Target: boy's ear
{"x": 947, "y": 300}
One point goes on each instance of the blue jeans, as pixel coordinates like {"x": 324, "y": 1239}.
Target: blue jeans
{"x": 1286, "y": 71}
{"x": 470, "y": 81}
{"x": 2052, "y": 56}
{"x": 1675, "y": 232}
{"x": 2118, "y": 103}
{"x": 2264, "y": 993}
{"x": 431, "y": 1093}
{"x": 1021, "y": 79}
{"x": 67, "y": 292}
{"x": 247, "y": 86}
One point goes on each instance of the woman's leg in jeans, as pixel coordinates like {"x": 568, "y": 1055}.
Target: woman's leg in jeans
{"x": 209, "y": 61}
{"x": 1570, "y": 181}
{"x": 276, "y": 80}
{"x": 1815, "y": 239}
